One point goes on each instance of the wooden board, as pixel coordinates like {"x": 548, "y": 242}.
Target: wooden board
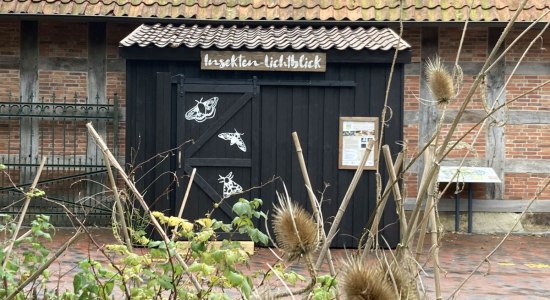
{"x": 309, "y": 103}
{"x": 263, "y": 61}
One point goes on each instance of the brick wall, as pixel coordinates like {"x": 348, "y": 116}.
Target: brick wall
{"x": 63, "y": 51}
{"x": 527, "y": 129}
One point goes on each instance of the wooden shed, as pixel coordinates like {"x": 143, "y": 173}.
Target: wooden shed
{"x": 238, "y": 93}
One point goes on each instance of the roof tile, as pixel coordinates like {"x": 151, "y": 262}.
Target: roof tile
{"x": 264, "y": 37}
{"x": 322, "y": 10}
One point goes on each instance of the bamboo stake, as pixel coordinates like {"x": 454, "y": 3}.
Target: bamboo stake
{"x": 184, "y": 200}
{"x": 45, "y": 265}
{"x": 429, "y": 205}
{"x": 344, "y": 205}
{"x": 434, "y": 228}
{"x": 380, "y": 208}
{"x": 313, "y": 199}
{"x": 23, "y": 211}
{"x": 396, "y": 192}
{"x": 119, "y": 207}
{"x": 99, "y": 141}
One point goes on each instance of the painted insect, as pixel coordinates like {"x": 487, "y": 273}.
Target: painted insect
{"x": 234, "y": 139}
{"x": 230, "y": 187}
{"x": 203, "y": 110}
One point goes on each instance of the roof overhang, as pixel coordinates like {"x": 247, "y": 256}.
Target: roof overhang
{"x": 264, "y": 38}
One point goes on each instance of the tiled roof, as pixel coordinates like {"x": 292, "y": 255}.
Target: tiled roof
{"x": 320, "y": 10}
{"x": 264, "y": 37}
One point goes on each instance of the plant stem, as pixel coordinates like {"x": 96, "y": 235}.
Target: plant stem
{"x": 380, "y": 208}
{"x": 28, "y": 198}
{"x": 46, "y": 264}
{"x": 99, "y": 141}
{"x": 396, "y": 192}
{"x": 184, "y": 200}
{"x": 313, "y": 200}
{"x": 120, "y": 208}
{"x": 344, "y": 205}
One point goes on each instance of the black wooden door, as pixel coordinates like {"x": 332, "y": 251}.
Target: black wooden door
{"x": 219, "y": 124}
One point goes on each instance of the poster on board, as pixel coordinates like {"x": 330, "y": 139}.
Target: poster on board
{"x": 355, "y": 134}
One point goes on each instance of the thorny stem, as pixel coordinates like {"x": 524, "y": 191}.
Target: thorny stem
{"x": 28, "y": 198}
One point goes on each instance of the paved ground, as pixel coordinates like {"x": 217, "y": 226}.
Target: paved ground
{"x": 520, "y": 269}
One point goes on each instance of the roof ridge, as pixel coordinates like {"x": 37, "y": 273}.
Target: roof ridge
{"x": 304, "y": 4}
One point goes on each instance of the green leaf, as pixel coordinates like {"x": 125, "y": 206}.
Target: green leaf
{"x": 258, "y": 237}
{"x": 108, "y": 287}
{"x": 154, "y": 244}
{"x": 77, "y": 282}
{"x": 198, "y": 246}
{"x": 242, "y": 209}
{"x": 234, "y": 279}
{"x": 246, "y": 288}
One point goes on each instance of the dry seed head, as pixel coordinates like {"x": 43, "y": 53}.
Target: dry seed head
{"x": 404, "y": 281}
{"x": 361, "y": 281}
{"x": 295, "y": 230}
{"x": 440, "y": 81}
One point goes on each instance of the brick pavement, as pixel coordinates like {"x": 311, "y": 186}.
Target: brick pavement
{"x": 520, "y": 269}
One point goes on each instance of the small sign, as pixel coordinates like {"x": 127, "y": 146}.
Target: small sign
{"x": 263, "y": 61}
{"x": 467, "y": 174}
{"x": 355, "y": 134}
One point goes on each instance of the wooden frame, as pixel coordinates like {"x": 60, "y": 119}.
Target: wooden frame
{"x": 354, "y": 135}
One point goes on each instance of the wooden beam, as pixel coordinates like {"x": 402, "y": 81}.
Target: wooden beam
{"x": 514, "y": 117}
{"x": 496, "y": 95}
{"x": 97, "y": 86}
{"x": 28, "y": 85}
{"x": 97, "y": 59}
{"x": 482, "y": 205}
{"x": 427, "y": 112}
{"x": 333, "y": 56}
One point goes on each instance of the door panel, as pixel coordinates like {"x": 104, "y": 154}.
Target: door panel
{"x": 218, "y": 119}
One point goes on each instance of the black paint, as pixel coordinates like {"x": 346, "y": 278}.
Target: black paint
{"x": 267, "y": 111}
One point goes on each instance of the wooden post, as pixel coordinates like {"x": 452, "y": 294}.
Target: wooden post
{"x": 427, "y": 112}
{"x": 495, "y": 144}
{"x": 28, "y": 85}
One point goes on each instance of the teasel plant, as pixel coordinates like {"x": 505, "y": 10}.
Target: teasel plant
{"x": 297, "y": 236}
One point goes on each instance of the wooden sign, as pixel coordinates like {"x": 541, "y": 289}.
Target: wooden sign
{"x": 355, "y": 134}
{"x": 263, "y": 61}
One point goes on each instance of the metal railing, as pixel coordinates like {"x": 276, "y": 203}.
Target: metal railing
{"x": 74, "y": 174}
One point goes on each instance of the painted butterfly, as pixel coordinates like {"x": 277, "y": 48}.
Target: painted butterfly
{"x": 234, "y": 138}
{"x": 203, "y": 110}
{"x": 230, "y": 187}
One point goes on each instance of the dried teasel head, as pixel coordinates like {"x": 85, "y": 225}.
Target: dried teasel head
{"x": 361, "y": 281}
{"x": 296, "y": 232}
{"x": 440, "y": 81}
{"x": 404, "y": 281}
